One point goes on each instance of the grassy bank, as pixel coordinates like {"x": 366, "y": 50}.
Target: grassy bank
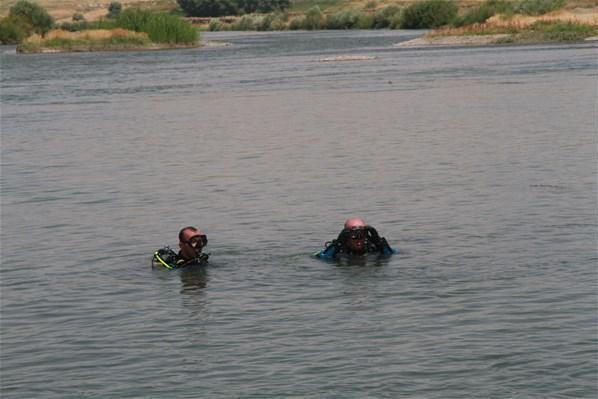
{"x": 89, "y": 40}
{"x": 523, "y": 21}
{"x": 563, "y": 26}
{"x": 132, "y": 29}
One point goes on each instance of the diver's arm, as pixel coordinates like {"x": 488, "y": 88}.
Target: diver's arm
{"x": 381, "y": 244}
{"x": 330, "y": 251}
{"x": 386, "y": 249}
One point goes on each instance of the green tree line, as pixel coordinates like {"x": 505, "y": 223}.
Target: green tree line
{"x": 217, "y": 8}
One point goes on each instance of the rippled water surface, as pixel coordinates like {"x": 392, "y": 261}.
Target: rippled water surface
{"x": 478, "y": 163}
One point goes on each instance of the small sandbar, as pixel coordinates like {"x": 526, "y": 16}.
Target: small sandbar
{"x": 88, "y": 48}
{"x": 214, "y": 44}
{"x": 348, "y": 58}
{"x": 453, "y": 40}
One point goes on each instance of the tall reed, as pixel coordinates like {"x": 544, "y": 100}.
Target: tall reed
{"x": 160, "y": 27}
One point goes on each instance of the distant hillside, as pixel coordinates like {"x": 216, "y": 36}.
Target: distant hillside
{"x": 63, "y": 10}
{"x": 92, "y": 9}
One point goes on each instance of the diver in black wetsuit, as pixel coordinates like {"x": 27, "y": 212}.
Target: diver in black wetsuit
{"x": 191, "y": 243}
{"x": 356, "y": 239}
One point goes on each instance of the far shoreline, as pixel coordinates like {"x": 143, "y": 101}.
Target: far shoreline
{"x": 95, "y": 48}
{"x": 477, "y": 40}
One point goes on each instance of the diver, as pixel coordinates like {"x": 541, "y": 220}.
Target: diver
{"x": 356, "y": 239}
{"x": 191, "y": 243}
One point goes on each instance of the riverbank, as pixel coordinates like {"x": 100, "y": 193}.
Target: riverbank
{"x": 97, "y": 47}
{"x": 60, "y": 41}
{"x": 561, "y": 26}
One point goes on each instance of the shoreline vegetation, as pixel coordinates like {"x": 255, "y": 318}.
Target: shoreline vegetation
{"x": 34, "y": 31}
{"x": 451, "y": 22}
{"x": 118, "y": 39}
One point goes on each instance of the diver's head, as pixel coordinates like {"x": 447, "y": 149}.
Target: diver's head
{"x": 191, "y": 241}
{"x": 353, "y": 223}
{"x": 355, "y": 235}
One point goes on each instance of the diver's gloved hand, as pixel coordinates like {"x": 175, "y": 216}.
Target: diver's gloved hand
{"x": 343, "y": 236}
{"x": 372, "y": 235}
{"x": 379, "y": 242}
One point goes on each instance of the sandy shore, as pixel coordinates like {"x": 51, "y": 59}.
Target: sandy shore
{"x": 452, "y": 40}
{"x": 101, "y": 47}
{"x": 466, "y": 40}
{"x": 348, "y": 58}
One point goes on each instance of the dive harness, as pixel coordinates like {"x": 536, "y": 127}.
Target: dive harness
{"x": 169, "y": 259}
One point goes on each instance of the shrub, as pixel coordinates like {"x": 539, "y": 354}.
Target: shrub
{"x": 296, "y": 23}
{"x": 395, "y": 21}
{"x": 208, "y": 8}
{"x": 563, "y": 31}
{"x": 78, "y": 17}
{"x": 74, "y": 26}
{"x": 346, "y": 19}
{"x": 371, "y": 4}
{"x": 265, "y": 23}
{"x": 215, "y": 25}
{"x": 314, "y": 19}
{"x": 246, "y": 22}
{"x": 539, "y": 7}
{"x": 160, "y": 27}
{"x": 280, "y": 21}
{"x": 32, "y": 14}
{"x": 384, "y": 16}
{"x": 486, "y": 10}
{"x": 114, "y": 9}
{"x": 366, "y": 21}
{"x": 263, "y": 6}
{"x": 428, "y": 14}
{"x": 12, "y": 30}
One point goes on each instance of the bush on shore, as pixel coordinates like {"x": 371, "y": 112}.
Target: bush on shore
{"x": 24, "y": 19}
{"x": 218, "y": 8}
{"x": 34, "y": 15}
{"x": 539, "y": 7}
{"x": 484, "y": 11}
{"x": 429, "y": 14}
{"x": 160, "y": 27}
{"x": 314, "y": 18}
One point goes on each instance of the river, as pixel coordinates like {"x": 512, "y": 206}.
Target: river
{"x": 478, "y": 163}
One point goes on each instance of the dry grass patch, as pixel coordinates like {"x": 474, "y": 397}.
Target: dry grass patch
{"x": 87, "y": 35}
{"x": 589, "y": 17}
{"x": 500, "y": 24}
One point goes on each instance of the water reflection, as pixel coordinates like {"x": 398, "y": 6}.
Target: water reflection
{"x": 193, "y": 278}
{"x": 362, "y": 261}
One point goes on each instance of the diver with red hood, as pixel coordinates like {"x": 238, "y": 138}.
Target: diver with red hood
{"x": 356, "y": 239}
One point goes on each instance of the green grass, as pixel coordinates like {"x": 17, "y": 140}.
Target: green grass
{"x": 160, "y": 27}
{"x": 539, "y": 7}
{"x": 328, "y": 5}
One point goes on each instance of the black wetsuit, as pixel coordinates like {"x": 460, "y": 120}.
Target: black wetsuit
{"x": 374, "y": 244}
{"x": 171, "y": 260}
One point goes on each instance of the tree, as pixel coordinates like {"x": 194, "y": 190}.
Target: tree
{"x": 429, "y": 14}
{"x": 114, "y": 9}
{"x": 208, "y": 8}
{"x": 250, "y": 6}
{"x": 217, "y": 8}
{"x": 34, "y": 15}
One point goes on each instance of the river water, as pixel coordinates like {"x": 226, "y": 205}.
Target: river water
{"x": 479, "y": 163}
